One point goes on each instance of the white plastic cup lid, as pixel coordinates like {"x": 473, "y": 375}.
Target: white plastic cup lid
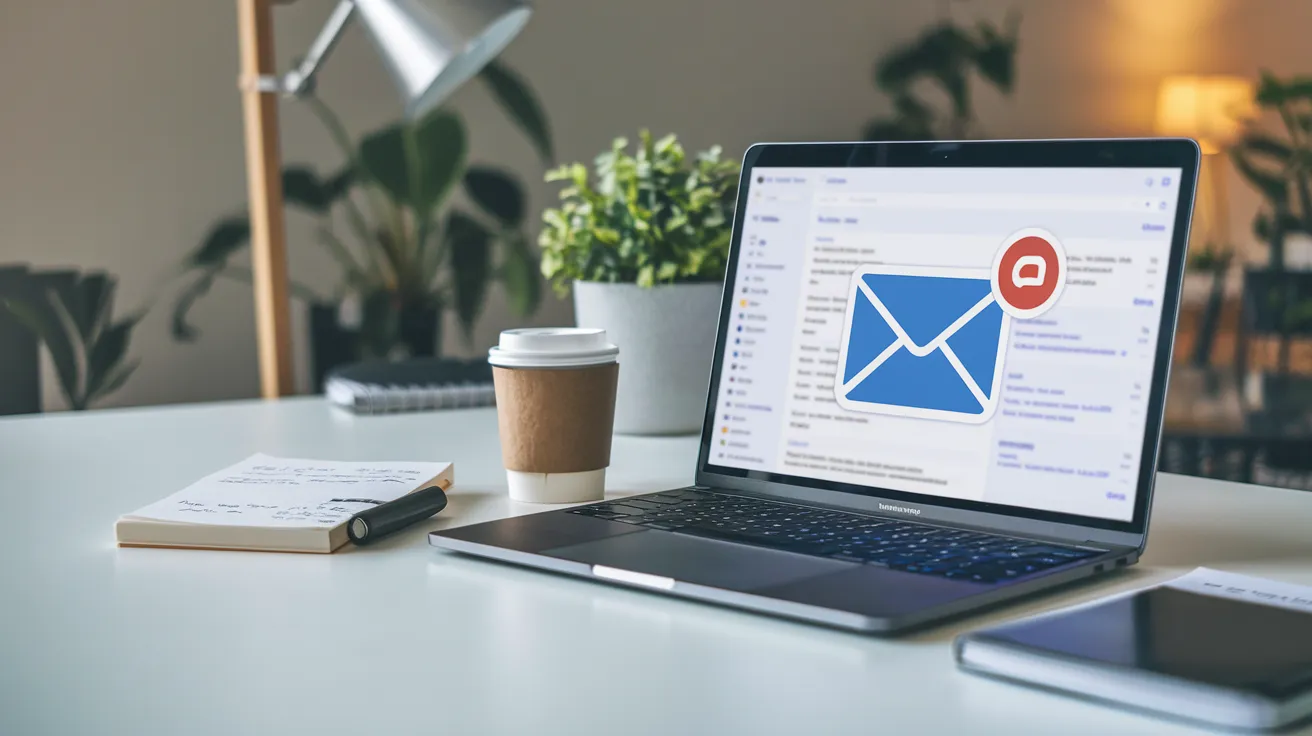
{"x": 552, "y": 347}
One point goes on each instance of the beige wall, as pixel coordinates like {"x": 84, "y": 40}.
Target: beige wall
{"x": 120, "y": 131}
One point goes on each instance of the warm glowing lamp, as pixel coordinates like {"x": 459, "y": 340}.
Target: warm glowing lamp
{"x": 1210, "y": 109}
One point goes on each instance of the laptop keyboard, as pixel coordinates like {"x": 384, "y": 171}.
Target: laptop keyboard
{"x": 901, "y": 545}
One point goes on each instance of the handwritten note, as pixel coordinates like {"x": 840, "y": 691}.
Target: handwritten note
{"x": 280, "y": 492}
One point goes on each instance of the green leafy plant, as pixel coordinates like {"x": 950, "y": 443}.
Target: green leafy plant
{"x": 1208, "y": 259}
{"x": 945, "y": 57}
{"x": 652, "y": 217}
{"x": 72, "y": 314}
{"x": 1280, "y": 167}
{"x": 409, "y": 248}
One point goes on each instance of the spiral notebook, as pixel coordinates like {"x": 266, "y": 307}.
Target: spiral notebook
{"x": 418, "y": 384}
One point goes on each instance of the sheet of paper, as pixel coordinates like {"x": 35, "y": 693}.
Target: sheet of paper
{"x": 1245, "y": 588}
{"x": 281, "y": 492}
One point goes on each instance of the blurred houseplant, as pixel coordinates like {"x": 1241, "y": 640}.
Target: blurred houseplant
{"x": 1277, "y": 300}
{"x": 644, "y": 247}
{"x": 72, "y": 314}
{"x": 410, "y": 254}
{"x": 944, "y": 56}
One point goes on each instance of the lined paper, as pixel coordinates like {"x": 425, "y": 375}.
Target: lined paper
{"x": 281, "y": 492}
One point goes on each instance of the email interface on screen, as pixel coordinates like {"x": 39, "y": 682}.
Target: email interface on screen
{"x": 978, "y": 334}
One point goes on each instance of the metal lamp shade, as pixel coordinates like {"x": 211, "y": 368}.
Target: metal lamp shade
{"x": 434, "y": 46}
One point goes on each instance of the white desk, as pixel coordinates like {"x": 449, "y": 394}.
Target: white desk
{"x": 401, "y": 639}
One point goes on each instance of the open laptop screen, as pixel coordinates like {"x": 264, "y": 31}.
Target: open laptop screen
{"x": 981, "y": 334}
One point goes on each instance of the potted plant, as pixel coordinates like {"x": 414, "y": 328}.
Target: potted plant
{"x": 72, "y": 314}
{"x": 1278, "y": 300}
{"x": 406, "y": 253}
{"x": 944, "y": 56}
{"x": 643, "y": 247}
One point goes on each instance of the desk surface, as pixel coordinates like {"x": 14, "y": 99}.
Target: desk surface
{"x": 401, "y": 639}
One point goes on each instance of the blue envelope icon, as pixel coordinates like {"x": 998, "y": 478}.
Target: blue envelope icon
{"x": 922, "y": 341}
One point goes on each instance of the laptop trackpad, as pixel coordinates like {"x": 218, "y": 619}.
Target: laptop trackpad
{"x": 698, "y": 561}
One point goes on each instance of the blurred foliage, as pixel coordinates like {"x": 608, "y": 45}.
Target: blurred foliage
{"x": 408, "y": 247}
{"x": 1279, "y": 165}
{"x": 944, "y": 57}
{"x": 1208, "y": 259}
{"x": 72, "y": 314}
{"x": 652, "y": 217}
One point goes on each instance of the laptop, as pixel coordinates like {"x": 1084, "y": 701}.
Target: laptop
{"x": 938, "y": 385}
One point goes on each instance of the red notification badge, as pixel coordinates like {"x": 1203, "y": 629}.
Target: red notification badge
{"x": 1029, "y": 273}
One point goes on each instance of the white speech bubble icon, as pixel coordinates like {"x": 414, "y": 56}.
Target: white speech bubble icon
{"x": 1036, "y": 261}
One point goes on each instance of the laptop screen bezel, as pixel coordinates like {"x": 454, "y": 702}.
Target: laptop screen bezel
{"x": 1178, "y": 153}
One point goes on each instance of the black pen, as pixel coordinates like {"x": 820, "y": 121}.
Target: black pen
{"x": 370, "y": 525}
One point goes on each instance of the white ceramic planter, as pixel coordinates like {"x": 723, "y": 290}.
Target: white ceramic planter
{"x": 1197, "y": 286}
{"x": 666, "y": 337}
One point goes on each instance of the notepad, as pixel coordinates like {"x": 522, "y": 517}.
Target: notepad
{"x": 275, "y": 504}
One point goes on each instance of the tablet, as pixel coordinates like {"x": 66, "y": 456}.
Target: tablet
{"x": 1233, "y": 653}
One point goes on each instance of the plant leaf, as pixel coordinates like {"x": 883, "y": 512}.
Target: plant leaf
{"x": 519, "y": 274}
{"x": 114, "y": 381}
{"x": 995, "y": 53}
{"x": 1266, "y": 145}
{"x": 519, "y": 102}
{"x": 339, "y": 184}
{"x": 894, "y": 129}
{"x": 646, "y": 276}
{"x": 1264, "y": 225}
{"x": 97, "y": 290}
{"x": 302, "y": 187}
{"x": 948, "y": 53}
{"x": 1299, "y": 88}
{"x": 900, "y": 67}
{"x": 1272, "y": 185}
{"x": 82, "y": 296}
{"x": 355, "y": 275}
{"x": 439, "y": 144}
{"x": 382, "y": 154}
{"x": 226, "y": 237}
{"x": 35, "y": 310}
{"x": 1270, "y": 90}
{"x": 61, "y": 293}
{"x": 496, "y": 193}
{"x": 106, "y": 353}
{"x": 181, "y": 329}
{"x": 953, "y": 82}
{"x": 470, "y": 246}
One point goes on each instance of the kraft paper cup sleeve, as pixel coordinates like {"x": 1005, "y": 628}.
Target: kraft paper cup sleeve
{"x": 556, "y": 420}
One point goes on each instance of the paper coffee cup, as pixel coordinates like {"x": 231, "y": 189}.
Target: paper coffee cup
{"x": 555, "y": 392}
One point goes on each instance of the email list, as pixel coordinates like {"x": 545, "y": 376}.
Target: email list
{"x": 1009, "y": 315}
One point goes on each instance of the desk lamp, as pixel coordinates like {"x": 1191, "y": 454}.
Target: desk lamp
{"x": 1212, "y": 110}
{"x": 431, "y": 47}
